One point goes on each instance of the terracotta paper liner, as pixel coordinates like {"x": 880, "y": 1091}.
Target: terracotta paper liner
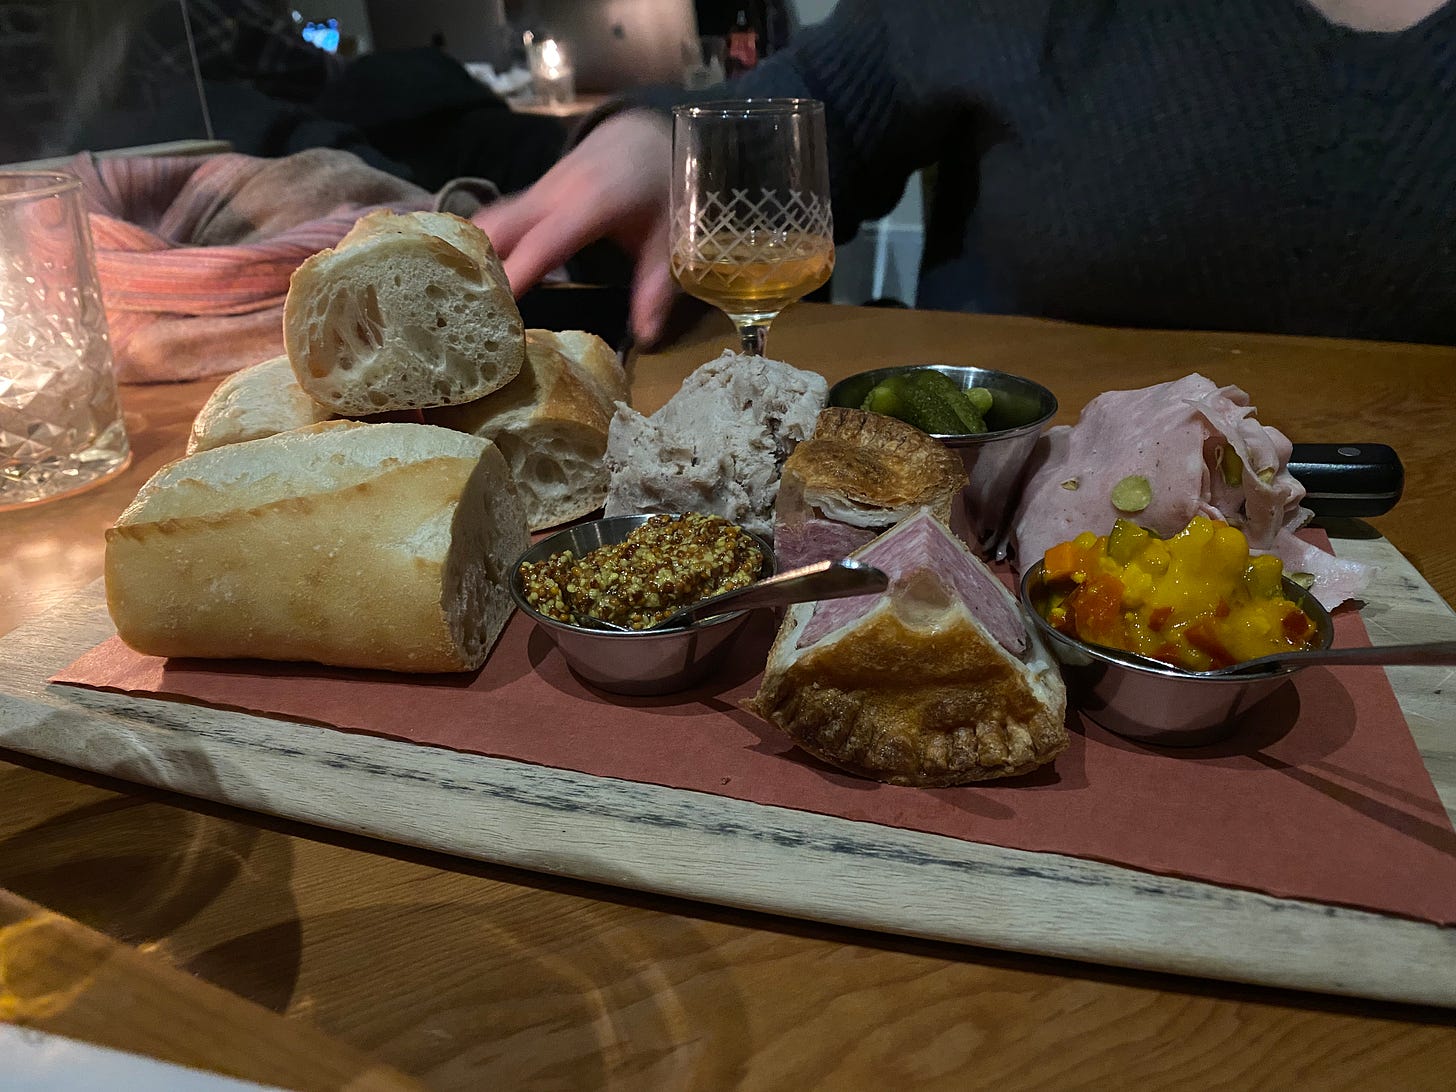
{"x": 1321, "y": 796}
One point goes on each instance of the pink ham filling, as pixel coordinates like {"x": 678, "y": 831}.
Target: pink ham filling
{"x": 1155, "y": 432}
{"x": 921, "y": 544}
{"x": 817, "y": 539}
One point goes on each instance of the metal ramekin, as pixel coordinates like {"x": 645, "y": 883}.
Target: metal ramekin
{"x": 1161, "y": 705}
{"x": 995, "y": 459}
{"x": 651, "y": 662}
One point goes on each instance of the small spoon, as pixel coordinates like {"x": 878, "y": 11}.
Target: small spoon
{"x": 1427, "y": 652}
{"x": 821, "y": 580}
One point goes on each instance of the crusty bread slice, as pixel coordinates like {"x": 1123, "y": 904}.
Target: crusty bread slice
{"x": 935, "y": 681}
{"x": 379, "y": 546}
{"x": 257, "y": 401}
{"x": 550, "y": 423}
{"x": 408, "y": 311}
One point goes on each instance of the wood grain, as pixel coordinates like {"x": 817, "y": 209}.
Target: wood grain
{"x": 59, "y": 977}
{"x": 691, "y": 844}
{"x": 472, "y": 975}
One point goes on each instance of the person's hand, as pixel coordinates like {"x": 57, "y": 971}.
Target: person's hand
{"x": 613, "y": 185}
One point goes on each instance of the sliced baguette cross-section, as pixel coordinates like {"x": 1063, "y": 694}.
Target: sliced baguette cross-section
{"x": 551, "y": 422}
{"x": 407, "y": 312}
{"x": 378, "y": 546}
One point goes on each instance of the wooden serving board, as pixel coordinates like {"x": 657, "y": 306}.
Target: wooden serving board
{"x": 736, "y": 853}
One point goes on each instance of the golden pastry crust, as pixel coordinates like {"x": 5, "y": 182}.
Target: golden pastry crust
{"x": 878, "y": 461}
{"x": 924, "y": 706}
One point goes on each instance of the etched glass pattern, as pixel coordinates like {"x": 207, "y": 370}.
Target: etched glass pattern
{"x": 60, "y": 423}
{"x": 755, "y": 227}
{"x": 751, "y": 229}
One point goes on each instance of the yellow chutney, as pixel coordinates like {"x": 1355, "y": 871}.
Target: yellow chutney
{"x": 1197, "y": 600}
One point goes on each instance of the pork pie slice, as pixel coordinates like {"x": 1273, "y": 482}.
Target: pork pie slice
{"x": 859, "y": 474}
{"x": 935, "y": 681}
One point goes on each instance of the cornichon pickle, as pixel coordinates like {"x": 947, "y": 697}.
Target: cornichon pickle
{"x": 930, "y": 411}
{"x": 944, "y": 388}
{"x": 1126, "y": 541}
{"x": 981, "y": 398}
{"x": 930, "y": 401}
{"x": 884, "y": 400}
{"x": 899, "y": 397}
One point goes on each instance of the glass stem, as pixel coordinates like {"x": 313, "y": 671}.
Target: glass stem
{"x": 753, "y": 334}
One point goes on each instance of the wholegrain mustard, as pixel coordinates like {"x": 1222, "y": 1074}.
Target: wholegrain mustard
{"x": 665, "y": 564}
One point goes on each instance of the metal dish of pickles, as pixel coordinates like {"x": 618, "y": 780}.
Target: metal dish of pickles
{"x": 994, "y": 457}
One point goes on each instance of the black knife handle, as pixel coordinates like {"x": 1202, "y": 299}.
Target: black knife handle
{"x": 1348, "y": 479}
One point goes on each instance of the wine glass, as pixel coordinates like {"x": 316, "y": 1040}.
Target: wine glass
{"x": 751, "y": 228}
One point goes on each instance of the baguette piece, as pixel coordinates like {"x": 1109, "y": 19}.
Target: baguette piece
{"x": 257, "y": 401}
{"x": 935, "y": 681}
{"x": 378, "y": 546}
{"x": 550, "y": 423}
{"x": 406, "y": 312}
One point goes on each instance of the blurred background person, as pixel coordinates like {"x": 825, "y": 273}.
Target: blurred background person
{"x": 1275, "y": 165}
{"x": 142, "y": 72}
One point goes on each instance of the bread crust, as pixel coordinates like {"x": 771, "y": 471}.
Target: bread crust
{"x": 551, "y": 423}
{"x": 595, "y": 362}
{"x": 575, "y": 388}
{"x": 343, "y": 544}
{"x": 875, "y": 461}
{"x": 407, "y": 312}
{"x": 257, "y": 401}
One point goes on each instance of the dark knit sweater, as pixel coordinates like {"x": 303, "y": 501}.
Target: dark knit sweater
{"x": 1217, "y": 164}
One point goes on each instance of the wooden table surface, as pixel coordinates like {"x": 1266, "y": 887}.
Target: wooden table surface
{"x": 285, "y": 954}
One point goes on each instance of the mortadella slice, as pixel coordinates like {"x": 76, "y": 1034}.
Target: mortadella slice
{"x": 1202, "y": 451}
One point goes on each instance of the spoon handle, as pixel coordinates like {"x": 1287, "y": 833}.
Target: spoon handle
{"x": 821, "y": 580}
{"x": 1426, "y": 652}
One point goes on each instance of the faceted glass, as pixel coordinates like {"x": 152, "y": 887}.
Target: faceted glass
{"x": 60, "y": 422}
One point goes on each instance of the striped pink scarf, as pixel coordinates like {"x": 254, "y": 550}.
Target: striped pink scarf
{"x": 194, "y": 253}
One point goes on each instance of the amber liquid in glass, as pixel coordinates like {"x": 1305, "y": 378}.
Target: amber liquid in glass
{"x": 753, "y": 275}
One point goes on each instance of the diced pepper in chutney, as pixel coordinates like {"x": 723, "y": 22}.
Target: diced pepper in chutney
{"x": 1197, "y": 600}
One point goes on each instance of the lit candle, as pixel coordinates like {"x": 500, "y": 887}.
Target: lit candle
{"x": 551, "y": 58}
{"x": 553, "y": 77}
